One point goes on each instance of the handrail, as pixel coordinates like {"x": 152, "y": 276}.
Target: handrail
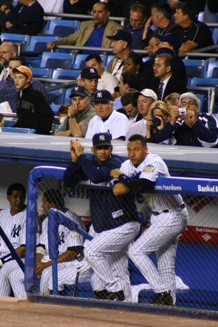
{"x": 74, "y": 47}
{"x": 85, "y": 17}
{"x": 211, "y": 99}
{"x": 201, "y": 55}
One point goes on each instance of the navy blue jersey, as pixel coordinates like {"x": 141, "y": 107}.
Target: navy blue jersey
{"x": 107, "y": 210}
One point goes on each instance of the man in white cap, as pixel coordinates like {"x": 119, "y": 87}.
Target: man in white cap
{"x": 145, "y": 98}
{"x": 193, "y": 128}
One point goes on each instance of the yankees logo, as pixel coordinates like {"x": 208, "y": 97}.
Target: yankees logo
{"x": 102, "y": 138}
{"x": 92, "y": 70}
{"x": 15, "y": 231}
{"x": 99, "y": 95}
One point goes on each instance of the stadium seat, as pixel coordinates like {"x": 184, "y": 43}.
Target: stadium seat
{"x": 215, "y": 35}
{"x": 203, "y": 82}
{"x": 194, "y": 67}
{"x": 55, "y": 96}
{"x": 107, "y": 59}
{"x": 79, "y": 61}
{"x": 55, "y": 108}
{"x": 9, "y": 123}
{"x": 210, "y": 69}
{"x": 41, "y": 72}
{"x": 56, "y": 60}
{"x": 201, "y": 16}
{"x": 69, "y": 74}
{"x": 59, "y": 27}
{"x": 18, "y": 130}
{"x": 36, "y": 45}
{"x": 6, "y": 37}
{"x": 66, "y": 95}
{"x": 32, "y": 61}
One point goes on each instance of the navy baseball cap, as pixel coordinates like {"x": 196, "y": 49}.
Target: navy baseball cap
{"x": 89, "y": 73}
{"x": 101, "y": 139}
{"x": 79, "y": 90}
{"x": 172, "y": 39}
{"x": 102, "y": 96}
{"x": 165, "y": 51}
{"x": 121, "y": 35}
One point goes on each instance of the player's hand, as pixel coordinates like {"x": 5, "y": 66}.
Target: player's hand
{"x": 82, "y": 265}
{"x": 40, "y": 266}
{"x": 115, "y": 173}
{"x": 79, "y": 149}
{"x": 74, "y": 156}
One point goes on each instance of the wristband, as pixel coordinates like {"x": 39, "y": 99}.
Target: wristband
{"x": 72, "y": 116}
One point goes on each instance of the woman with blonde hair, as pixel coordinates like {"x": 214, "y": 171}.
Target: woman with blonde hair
{"x": 158, "y": 116}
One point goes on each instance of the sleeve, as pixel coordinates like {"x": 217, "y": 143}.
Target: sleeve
{"x": 73, "y": 174}
{"x": 39, "y": 87}
{"x": 98, "y": 174}
{"x": 23, "y": 232}
{"x": 25, "y": 16}
{"x": 207, "y": 135}
{"x": 89, "y": 132}
{"x": 165, "y": 133}
{"x": 46, "y": 113}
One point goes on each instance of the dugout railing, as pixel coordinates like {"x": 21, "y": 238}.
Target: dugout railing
{"x": 197, "y": 254}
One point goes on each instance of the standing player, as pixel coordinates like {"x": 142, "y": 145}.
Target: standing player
{"x": 169, "y": 219}
{"x": 115, "y": 219}
{"x": 13, "y": 223}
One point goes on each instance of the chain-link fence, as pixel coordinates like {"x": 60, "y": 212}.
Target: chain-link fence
{"x": 67, "y": 226}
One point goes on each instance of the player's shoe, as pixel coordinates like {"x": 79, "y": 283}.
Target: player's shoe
{"x": 116, "y": 296}
{"x": 101, "y": 295}
{"x": 163, "y": 298}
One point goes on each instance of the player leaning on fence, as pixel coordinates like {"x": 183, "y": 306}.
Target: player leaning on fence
{"x": 114, "y": 219}
{"x": 168, "y": 220}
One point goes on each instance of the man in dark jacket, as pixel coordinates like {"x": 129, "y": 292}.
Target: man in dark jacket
{"x": 33, "y": 110}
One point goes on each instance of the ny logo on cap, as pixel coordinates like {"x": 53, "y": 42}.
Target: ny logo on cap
{"x": 101, "y": 138}
{"x": 92, "y": 70}
{"x": 76, "y": 88}
{"x": 99, "y": 95}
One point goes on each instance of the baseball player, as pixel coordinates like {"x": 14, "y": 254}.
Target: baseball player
{"x": 13, "y": 223}
{"x": 107, "y": 120}
{"x": 115, "y": 220}
{"x": 169, "y": 219}
{"x": 70, "y": 244}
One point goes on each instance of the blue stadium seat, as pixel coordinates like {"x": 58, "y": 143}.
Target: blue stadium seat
{"x": 55, "y": 96}
{"x": 215, "y": 35}
{"x": 9, "y": 123}
{"x": 210, "y": 69}
{"x": 5, "y": 37}
{"x": 194, "y": 67}
{"x": 79, "y": 61}
{"x": 36, "y": 44}
{"x": 55, "y": 108}
{"x": 18, "y": 130}
{"x": 59, "y": 27}
{"x": 66, "y": 95}
{"x": 69, "y": 74}
{"x": 108, "y": 58}
{"x": 203, "y": 82}
{"x": 41, "y": 72}
{"x": 201, "y": 16}
{"x": 56, "y": 60}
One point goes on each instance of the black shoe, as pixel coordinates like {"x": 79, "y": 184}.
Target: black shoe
{"x": 101, "y": 295}
{"x": 163, "y": 298}
{"x": 116, "y": 296}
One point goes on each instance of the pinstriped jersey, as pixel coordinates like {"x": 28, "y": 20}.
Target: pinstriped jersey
{"x": 151, "y": 168}
{"x": 14, "y": 228}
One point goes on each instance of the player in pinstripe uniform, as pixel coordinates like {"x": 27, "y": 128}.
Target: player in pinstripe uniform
{"x": 169, "y": 219}
{"x": 115, "y": 219}
{"x": 70, "y": 244}
{"x": 13, "y": 223}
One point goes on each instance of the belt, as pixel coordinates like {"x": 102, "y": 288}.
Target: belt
{"x": 156, "y": 213}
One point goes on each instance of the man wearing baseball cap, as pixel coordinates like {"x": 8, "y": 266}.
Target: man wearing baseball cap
{"x": 79, "y": 114}
{"x": 33, "y": 110}
{"x": 114, "y": 218}
{"x": 144, "y": 98}
{"x": 89, "y": 79}
{"x": 121, "y": 45}
{"x": 107, "y": 119}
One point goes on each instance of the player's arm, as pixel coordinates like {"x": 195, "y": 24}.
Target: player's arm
{"x": 21, "y": 251}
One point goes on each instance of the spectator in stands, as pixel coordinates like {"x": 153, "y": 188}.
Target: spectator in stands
{"x": 121, "y": 45}
{"x": 193, "y": 128}
{"x": 107, "y": 119}
{"x": 92, "y": 33}
{"x": 25, "y": 18}
{"x": 70, "y": 245}
{"x": 144, "y": 99}
{"x": 53, "y": 6}
{"x": 153, "y": 46}
{"x": 127, "y": 80}
{"x": 165, "y": 81}
{"x": 79, "y": 114}
{"x": 63, "y": 112}
{"x": 211, "y": 12}
{"x": 9, "y": 4}
{"x": 195, "y": 34}
{"x": 7, "y": 51}
{"x": 136, "y": 25}
{"x": 89, "y": 79}
{"x": 106, "y": 81}
{"x": 13, "y": 222}
{"x": 158, "y": 116}
{"x": 8, "y": 91}
{"x": 172, "y": 100}
{"x": 81, "y": 7}
{"x": 129, "y": 104}
{"x": 33, "y": 110}
{"x": 161, "y": 18}
{"x": 133, "y": 63}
